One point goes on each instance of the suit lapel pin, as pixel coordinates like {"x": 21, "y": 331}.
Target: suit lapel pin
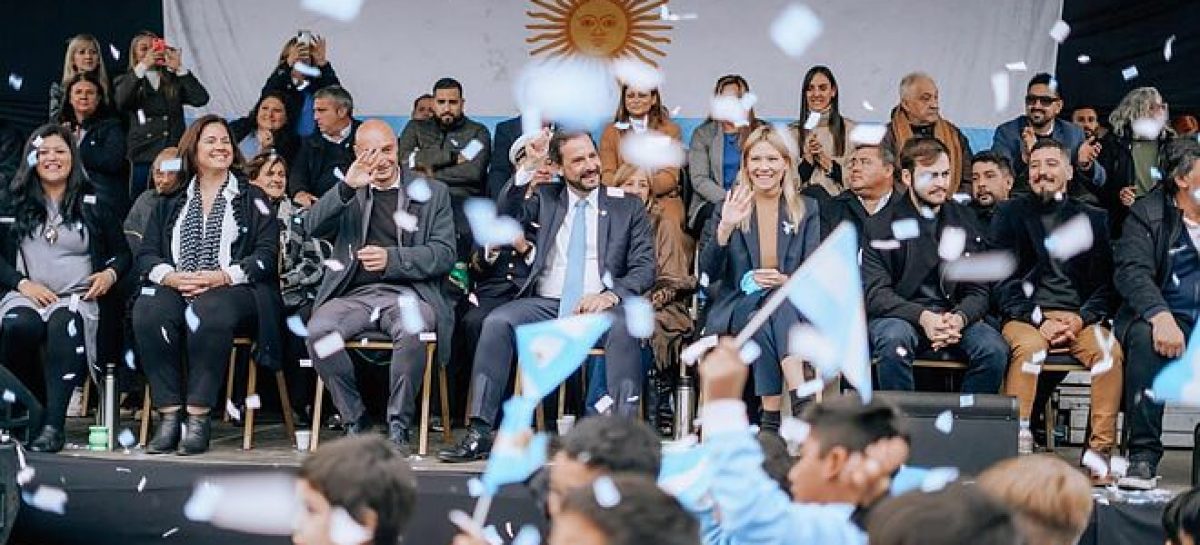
{"x": 789, "y": 228}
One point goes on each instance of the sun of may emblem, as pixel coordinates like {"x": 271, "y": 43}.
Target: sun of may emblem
{"x": 598, "y": 28}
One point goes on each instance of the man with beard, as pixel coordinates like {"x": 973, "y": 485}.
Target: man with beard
{"x": 1060, "y": 292}
{"x": 587, "y": 250}
{"x": 391, "y": 275}
{"x": 991, "y": 184}
{"x": 872, "y": 190}
{"x": 912, "y": 306}
{"x": 452, "y": 147}
{"x": 1015, "y": 139}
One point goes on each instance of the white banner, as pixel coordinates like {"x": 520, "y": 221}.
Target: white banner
{"x": 394, "y": 50}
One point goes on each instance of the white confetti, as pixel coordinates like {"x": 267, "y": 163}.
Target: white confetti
{"x": 328, "y": 345}
{"x": 1071, "y": 238}
{"x": 68, "y": 376}
{"x": 528, "y": 535}
{"x": 1103, "y": 366}
{"x": 15, "y": 81}
{"x": 342, "y": 10}
{"x": 1129, "y": 72}
{"x": 116, "y": 53}
{"x": 637, "y": 74}
{"x": 49, "y": 498}
{"x": 704, "y": 280}
{"x": 337, "y": 173}
{"x": 410, "y": 313}
{"x": 867, "y": 106}
{"x": 954, "y": 241}
{"x": 405, "y": 221}
{"x": 665, "y": 14}
{"x": 639, "y": 317}
{"x": 604, "y": 404}
{"x": 472, "y": 149}
{"x": 607, "y": 280}
{"x": 193, "y": 321}
{"x": 141, "y": 484}
{"x": 344, "y": 530}
{"x": 8, "y": 220}
{"x": 232, "y": 410}
{"x": 1031, "y": 368}
{"x": 487, "y": 227}
{"x": 141, "y": 115}
{"x": 1147, "y": 128}
{"x": 1096, "y": 463}
{"x": 868, "y": 133}
{"x": 692, "y": 353}
{"x": 79, "y": 350}
{"x": 262, "y": 207}
{"x": 981, "y": 267}
{"x": 1118, "y": 466}
{"x": 749, "y": 352}
{"x": 306, "y": 69}
{"x": 675, "y": 111}
{"x": 1027, "y": 288}
{"x": 576, "y": 93}
{"x": 170, "y": 532}
{"x": 795, "y": 29}
{"x": 1167, "y": 48}
{"x": 813, "y": 119}
{"x": 89, "y": 199}
{"x": 1018, "y": 66}
{"x": 885, "y": 245}
{"x": 1083, "y": 59}
{"x": 938, "y": 478}
{"x": 730, "y": 109}
{"x": 31, "y": 159}
{"x": 9, "y": 397}
{"x": 1000, "y": 85}
{"x": 419, "y": 190}
{"x": 808, "y": 344}
{"x": 966, "y": 400}
{"x": 295, "y": 324}
{"x": 374, "y": 317}
{"x": 129, "y": 359}
{"x": 334, "y": 265}
{"x": 305, "y": 362}
{"x": 944, "y": 422}
{"x": 126, "y": 438}
{"x": 253, "y": 402}
{"x": 73, "y": 304}
{"x": 607, "y": 495}
{"x": 71, "y": 330}
{"x": 25, "y": 475}
{"x": 906, "y": 228}
{"x": 1036, "y": 316}
{"x": 794, "y": 430}
{"x": 1060, "y": 31}
{"x": 652, "y": 150}
{"x": 474, "y": 487}
{"x": 809, "y": 388}
{"x": 170, "y": 165}
{"x": 163, "y": 330}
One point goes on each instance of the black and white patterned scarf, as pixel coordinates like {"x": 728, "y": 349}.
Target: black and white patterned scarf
{"x": 200, "y": 237}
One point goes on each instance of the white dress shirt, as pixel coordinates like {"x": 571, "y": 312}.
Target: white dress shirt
{"x": 229, "y": 233}
{"x": 555, "y": 273}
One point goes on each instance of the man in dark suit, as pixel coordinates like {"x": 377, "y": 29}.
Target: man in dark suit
{"x": 501, "y": 168}
{"x": 991, "y": 184}
{"x": 912, "y": 306}
{"x": 872, "y": 189}
{"x": 395, "y": 253}
{"x": 327, "y": 151}
{"x": 1058, "y": 300}
{"x": 592, "y": 248}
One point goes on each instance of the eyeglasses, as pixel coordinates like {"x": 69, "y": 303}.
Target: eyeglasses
{"x": 1040, "y": 100}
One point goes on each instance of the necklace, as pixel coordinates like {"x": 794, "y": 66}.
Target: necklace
{"x": 52, "y": 224}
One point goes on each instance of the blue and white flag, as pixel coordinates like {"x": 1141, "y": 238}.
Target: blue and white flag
{"x": 827, "y": 290}
{"x": 686, "y": 474}
{"x": 518, "y": 414}
{"x": 550, "y": 351}
{"x": 1178, "y": 381}
{"x": 512, "y": 462}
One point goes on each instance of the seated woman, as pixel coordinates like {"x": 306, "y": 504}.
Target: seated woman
{"x": 265, "y": 129}
{"x": 165, "y": 182}
{"x": 300, "y": 273}
{"x": 670, "y": 296}
{"x": 759, "y": 236}
{"x": 638, "y": 112}
{"x": 825, "y": 146}
{"x": 209, "y": 256}
{"x": 60, "y": 252}
{"x": 715, "y": 155}
{"x": 100, "y": 139}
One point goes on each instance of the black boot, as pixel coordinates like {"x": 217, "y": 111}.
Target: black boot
{"x": 51, "y": 439}
{"x": 665, "y": 409}
{"x": 199, "y": 428}
{"x": 167, "y": 437}
{"x": 651, "y": 398}
{"x": 799, "y": 404}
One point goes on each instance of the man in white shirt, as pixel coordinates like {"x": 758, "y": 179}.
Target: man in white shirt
{"x": 591, "y": 249}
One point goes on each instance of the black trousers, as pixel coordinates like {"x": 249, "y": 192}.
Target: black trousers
{"x": 1143, "y": 415}
{"x": 23, "y": 333}
{"x": 494, "y": 357}
{"x": 168, "y": 345}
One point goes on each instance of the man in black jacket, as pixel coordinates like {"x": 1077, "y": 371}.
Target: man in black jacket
{"x": 1158, "y": 275}
{"x": 912, "y": 305}
{"x": 303, "y": 70}
{"x": 327, "y": 154}
{"x": 991, "y": 184}
{"x": 591, "y": 248}
{"x": 872, "y": 190}
{"x": 1061, "y": 291}
{"x": 390, "y": 280}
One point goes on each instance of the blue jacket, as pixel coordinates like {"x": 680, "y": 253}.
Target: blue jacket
{"x": 753, "y": 508}
{"x": 1007, "y": 142}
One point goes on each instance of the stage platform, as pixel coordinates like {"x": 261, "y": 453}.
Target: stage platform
{"x": 108, "y": 502}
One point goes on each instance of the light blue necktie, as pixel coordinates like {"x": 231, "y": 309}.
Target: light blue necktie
{"x": 572, "y": 289}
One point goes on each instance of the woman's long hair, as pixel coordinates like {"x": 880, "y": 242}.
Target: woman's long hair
{"x": 837, "y": 125}
{"x": 253, "y": 115}
{"x": 736, "y": 79}
{"x": 625, "y": 172}
{"x": 190, "y": 141}
{"x": 24, "y": 200}
{"x": 167, "y": 85}
{"x": 1134, "y": 106}
{"x": 69, "y": 70}
{"x": 656, "y": 117}
{"x": 791, "y": 178}
{"x": 67, "y": 114}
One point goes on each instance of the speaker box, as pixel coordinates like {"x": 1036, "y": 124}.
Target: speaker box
{"x": 983, "y": 429}
{"x": 9, "y": 493}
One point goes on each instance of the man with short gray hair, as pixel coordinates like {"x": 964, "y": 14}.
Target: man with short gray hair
{"x": 918, "y": 115}
{"x": 326, "y": 152}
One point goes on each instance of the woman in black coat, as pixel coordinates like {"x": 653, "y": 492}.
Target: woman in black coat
{"x": 210, "y": 258}
{"x": 61, "y": 252}
{"x": 151, "y": 95}
{"x": 266, "y": 129}
{"x": 101, "y": 142}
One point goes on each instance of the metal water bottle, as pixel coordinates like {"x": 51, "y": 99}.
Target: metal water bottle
{"x": 685, "y": 399}
{"x": 110, "y": 409}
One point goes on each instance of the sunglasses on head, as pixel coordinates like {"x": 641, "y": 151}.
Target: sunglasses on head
{"x": 1039, "y": 100}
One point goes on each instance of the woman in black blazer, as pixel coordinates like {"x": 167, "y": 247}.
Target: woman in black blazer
{"x": 210, "y": 259}
{"x": 266, "y": 129}
{"x": 101, "y": 142}
{"x": 61, "y": 252}
{"x": 151, "y": 95}
{"x": 755, "y": 239}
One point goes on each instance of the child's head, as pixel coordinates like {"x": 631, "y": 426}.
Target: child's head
{"x": 777, "y": 462}
{"x": 362, "y": 476}
{"x": 839, "y": 427}
{"x": 1051, "y": 500}
{"x": 1181, "y": 519}
{"x": 602, "y": 445}
{"x": 623, "y": 510}
{"x": 952, "y": 516}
